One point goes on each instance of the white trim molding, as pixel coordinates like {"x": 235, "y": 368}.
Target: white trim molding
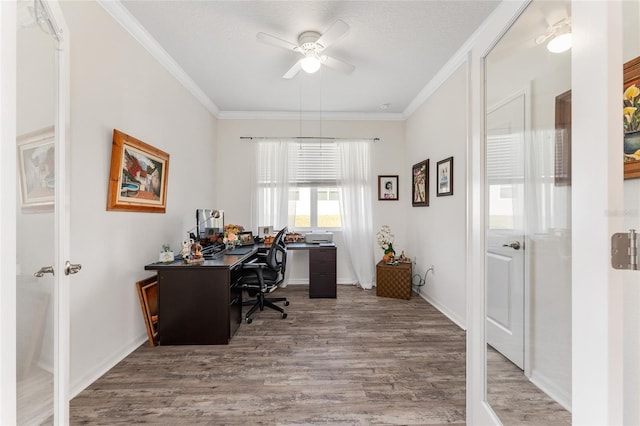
{"x": 133, "y": 26}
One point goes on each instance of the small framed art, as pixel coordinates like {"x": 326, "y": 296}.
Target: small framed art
{"x": 445, "y": 177}
{"x": 388, "y": 188}
{"x": 138, "y": 176}
{"x": 420, "y": 188}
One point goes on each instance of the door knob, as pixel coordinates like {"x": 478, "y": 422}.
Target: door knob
{"x": 44, "y": 270}
{"x": 514, "y": 245}
{"x": 71, "y": 268}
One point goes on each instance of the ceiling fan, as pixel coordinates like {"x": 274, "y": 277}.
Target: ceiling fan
{"x": 310, "y": 45}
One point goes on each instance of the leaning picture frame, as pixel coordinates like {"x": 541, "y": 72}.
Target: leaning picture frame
{"x": 138, "y": 176}
{"x": 420, "y": 184}
{"x": 36, "y": 165}
{"x": 388, "y": 187}
{"x": 444, "y": 177}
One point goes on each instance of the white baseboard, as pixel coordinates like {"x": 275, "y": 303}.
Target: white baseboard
{"x": 91, "y": 376}
{"x": 551, "y": 389}
{"x": 445, "y": 311}
{"x": 305, "y": 281}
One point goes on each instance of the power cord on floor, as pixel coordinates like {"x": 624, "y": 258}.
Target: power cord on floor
{"x": 421, "y": 280}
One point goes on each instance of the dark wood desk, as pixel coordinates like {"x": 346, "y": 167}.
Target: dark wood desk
{"x": 202, "y": 304}
{"x": 199, "y": 304}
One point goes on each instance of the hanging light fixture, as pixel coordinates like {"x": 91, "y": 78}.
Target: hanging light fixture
{"x": 559, "y": 36}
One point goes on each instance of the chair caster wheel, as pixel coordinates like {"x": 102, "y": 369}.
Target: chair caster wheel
{"x": 248, "y": 320}
{"x": 286, "y": 303}
{"x": 283, "y": 315}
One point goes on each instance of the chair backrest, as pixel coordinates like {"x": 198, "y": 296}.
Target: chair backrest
{"x": 277, "y": 254}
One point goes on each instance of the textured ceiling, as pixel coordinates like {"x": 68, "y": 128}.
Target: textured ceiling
{"x": 397, "y": 47}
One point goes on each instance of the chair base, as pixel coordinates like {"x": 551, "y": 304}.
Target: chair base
{"x": 261, "y": 302}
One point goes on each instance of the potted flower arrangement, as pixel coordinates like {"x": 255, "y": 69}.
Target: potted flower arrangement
{"x": 231, "y": 232}
{"x": 385, "y": 241}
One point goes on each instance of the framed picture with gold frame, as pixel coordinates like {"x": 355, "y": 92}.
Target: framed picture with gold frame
{"x": 138, "y": 176}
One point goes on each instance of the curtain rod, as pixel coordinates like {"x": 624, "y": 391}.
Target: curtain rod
{"x": 305, "y": 137}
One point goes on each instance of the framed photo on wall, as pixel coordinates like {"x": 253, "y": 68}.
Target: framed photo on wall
{"x": 36, "y": 157}
{"x": 420, "y": 188}
{"x": 138, "y": 176}
{"x": 445, "y": 177}
{"x": 388, "y": 187}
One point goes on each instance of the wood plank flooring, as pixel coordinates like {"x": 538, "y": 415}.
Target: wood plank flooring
{"x": 355, "y": 360}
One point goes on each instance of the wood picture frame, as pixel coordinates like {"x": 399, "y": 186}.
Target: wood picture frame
{"x": 138, "y": 176}
{"x": 562, "y": 175}
{"x": 444, "y": 177}
{"x": 148, "y": 295}
{"x": 631, "y": 76}
{"x": 36, "y": 165}
{"x": 420, "y": 184}
{"x": 388, "y": 188}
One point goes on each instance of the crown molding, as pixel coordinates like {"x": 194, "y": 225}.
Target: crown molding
{"x": 460, "y": 57}
{"x": 133, "y": 26}
{"x": 324, "y": 115}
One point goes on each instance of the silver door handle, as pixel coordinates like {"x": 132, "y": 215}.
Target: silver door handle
{"x": 514, "y": 245}
{"x": 71, "y": 268}
{"x": 44, "y": 270}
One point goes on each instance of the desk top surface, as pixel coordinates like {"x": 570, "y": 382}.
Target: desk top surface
{"x": 224, "y": 260}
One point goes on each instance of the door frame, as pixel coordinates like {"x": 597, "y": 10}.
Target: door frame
{"x": 8, "y": 206}
{"x": 597, "y": 302}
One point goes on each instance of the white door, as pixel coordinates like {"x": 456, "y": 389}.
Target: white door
{"x": 41, "y": 217}
{"x": 505, "y": 235}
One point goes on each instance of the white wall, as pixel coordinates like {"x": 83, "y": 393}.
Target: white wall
{"x": 234, "y": 177}
{"x": 438, "y": 130}
{"x": 115, "y": 83}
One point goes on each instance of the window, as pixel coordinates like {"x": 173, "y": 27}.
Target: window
{"x": 310, "y": 182}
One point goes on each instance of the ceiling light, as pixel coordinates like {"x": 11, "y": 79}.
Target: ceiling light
{"x": 559, "y": 36}
{"x": 560, "y": 43}
{"x": 310, "y": 63}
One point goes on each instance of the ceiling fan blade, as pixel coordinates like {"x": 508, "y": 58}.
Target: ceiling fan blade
{"x": 337, "y": 64}
{"x": 295, "y": 69}
{"x": 275, "y": 41}
{"x": 335, "y": 32}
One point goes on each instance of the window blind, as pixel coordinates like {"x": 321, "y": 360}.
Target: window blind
{"x": 313, "y": 163}
{"x": 505, "y": 158}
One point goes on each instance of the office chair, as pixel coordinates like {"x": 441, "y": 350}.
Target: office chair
{"x": 263, "y": 275}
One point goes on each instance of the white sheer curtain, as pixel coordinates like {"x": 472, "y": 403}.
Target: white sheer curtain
{"x": 355, "y": 206}
{"x": 272, "y": 194}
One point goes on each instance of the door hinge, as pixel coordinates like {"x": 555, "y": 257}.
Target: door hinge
{"x": 624, "y": 250}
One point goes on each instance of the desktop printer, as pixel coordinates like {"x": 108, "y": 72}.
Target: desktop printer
{"x": 318, "y": 237}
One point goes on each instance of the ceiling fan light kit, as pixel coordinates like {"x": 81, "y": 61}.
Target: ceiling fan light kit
{"x": 310, "y": 44}
{"x": 559, "y": 36}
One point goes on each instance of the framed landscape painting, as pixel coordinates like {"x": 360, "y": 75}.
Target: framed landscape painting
{"x": 138, "y": 175}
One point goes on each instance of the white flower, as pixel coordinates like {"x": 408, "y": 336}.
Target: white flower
{"x": 385, "y": 237}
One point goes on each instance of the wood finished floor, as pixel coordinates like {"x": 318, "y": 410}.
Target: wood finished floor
{"x": 355, "y": 360}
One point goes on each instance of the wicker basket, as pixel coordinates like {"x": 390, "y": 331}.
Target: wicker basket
{"x": 393, "y": 280}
